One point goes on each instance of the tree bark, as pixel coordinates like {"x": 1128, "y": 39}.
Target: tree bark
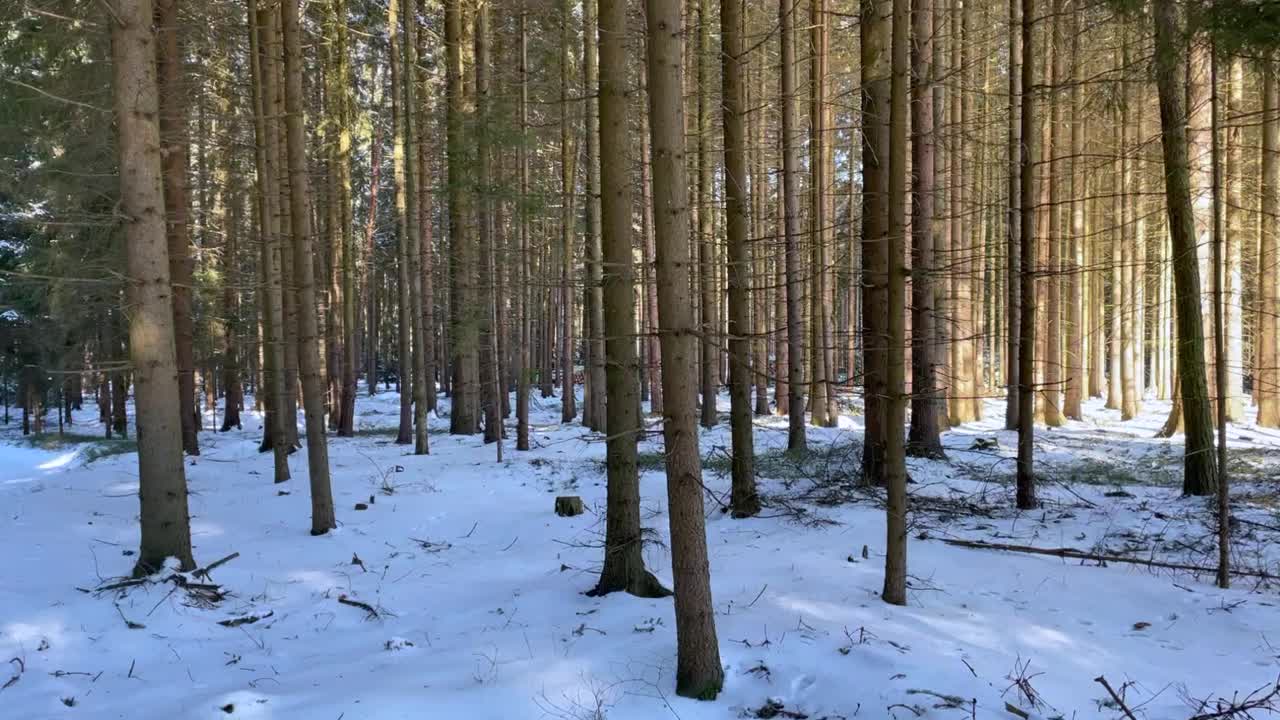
{"x": 925, "y": 439}
{"x": 1199, "y": 466}
{"x": 791, "y": 230}
{"x": 876, "y": 38}
{"x": 463, "y": 331}
{"x": 171, "y": 70}
{"x": 623, "y": 562}
{"x": 1013, "y": 312}
{"x": 1268, "y": 364}
{"x": 698, "y": 670}
{"x": 162, "y": 484}
{"x": 322, "y": 518}
{"x": 895, "y": 562}
{"x": 743, "y": 499}
{"x": 1026, "y": 483}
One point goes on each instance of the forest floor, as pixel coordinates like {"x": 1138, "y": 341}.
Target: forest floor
{"x": 458, "y": 593}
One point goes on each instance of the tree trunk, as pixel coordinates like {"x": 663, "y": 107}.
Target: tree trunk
{"x": 1076, "y": 238}
{"x": 791, "y": 230}
{"x": 819, "y": 217}
{"x": 1267, "y": 377}
{"x": 1026, "y": 483}
{"x": 743, "y": 500}
{"x": 322, "y": 518}
{"x": 171, "y": 76}
{"x": 401, "y": 119}
{"x": 1199, "y": 466}
{"x": 523, "y": 307}
{"x": 593, "y": 412}
{"x": 698, "y": 670}
{"x": 462, "y": 336}
{"x": 162, "y": 484}
{"x": 568, "y": 409}
{"x": 623, "y": 562}
{"x": 1013, "y": 311}
{"x": 876, "y": 38}
{"x": 925, "y": 438}
{"x": 279, "y": 414}
{"x": 895, "y": 562}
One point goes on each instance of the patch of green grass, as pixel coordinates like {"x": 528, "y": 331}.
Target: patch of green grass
{"x": 773, "y": 463}
{"x": 389, "y": 432}
{"x": 1092, "y": 471}
{"x": 98, "y": 447}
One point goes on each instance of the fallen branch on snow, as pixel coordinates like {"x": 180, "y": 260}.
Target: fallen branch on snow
{"x": 373, "y": 614}
{"x": 1077, "y": 554}
{"x": 1102, "y": 680}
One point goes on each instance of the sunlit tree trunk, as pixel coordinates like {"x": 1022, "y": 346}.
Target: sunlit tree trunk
{"x": 1199, "y": 466}
{"x": 699, "y": 673}
{"x": 162, "y": 484}
{"x": 322, "y": 517}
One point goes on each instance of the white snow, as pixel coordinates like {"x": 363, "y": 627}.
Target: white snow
{"x": 478, "y": 585}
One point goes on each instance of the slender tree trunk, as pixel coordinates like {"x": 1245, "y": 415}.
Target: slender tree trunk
{"x": 568, "y": 404}
{"x": 1075, "y": 345}
{"x": 162, "y": 484}
{"x": 369, "y": 271}
{"x": 593, "y": 412}
{"x": 653, "y": 363}
{"x": 401, "y": 118}
{"x": 1013, "y": 311}
{"x": 876, "y": 29}
{"x": 322, "y": 518}
{"x": 895, "y": 562}
{"x": 171, "y": 75}
{"x": 1026, "y": 484}
{"x": 698, "y": 670}
{"x": 463, "y": 331}
{"x": 623, "y": 562}
{"x": 964, "y": 392}
{"x": 791, "y": 230}
{"x": 279, "y": 413}
{"x": 1199, "y": 466}
{"x": 1219, "y": 330}
{"x": 1268, "y": 363}
{"x": 926, "y": 413}
{"x": 743, "y": 499}
{"x": 411, "y": 245}
{"x": 819, "y": 215}
{"x": 523, "y": 307}
{"x": 705, "y": 208}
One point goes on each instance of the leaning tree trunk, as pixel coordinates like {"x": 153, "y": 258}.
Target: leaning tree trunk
{"x": 698, "y": 670}
{"x": 322, "y": 519}
{"x": 1199, "y": 466}
{"x": 162, "y": 483}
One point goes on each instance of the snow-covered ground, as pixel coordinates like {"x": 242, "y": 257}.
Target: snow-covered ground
{"x": 478, "y": 585}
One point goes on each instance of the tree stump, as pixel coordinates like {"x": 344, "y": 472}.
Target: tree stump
{"x": 568, "y": 505}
